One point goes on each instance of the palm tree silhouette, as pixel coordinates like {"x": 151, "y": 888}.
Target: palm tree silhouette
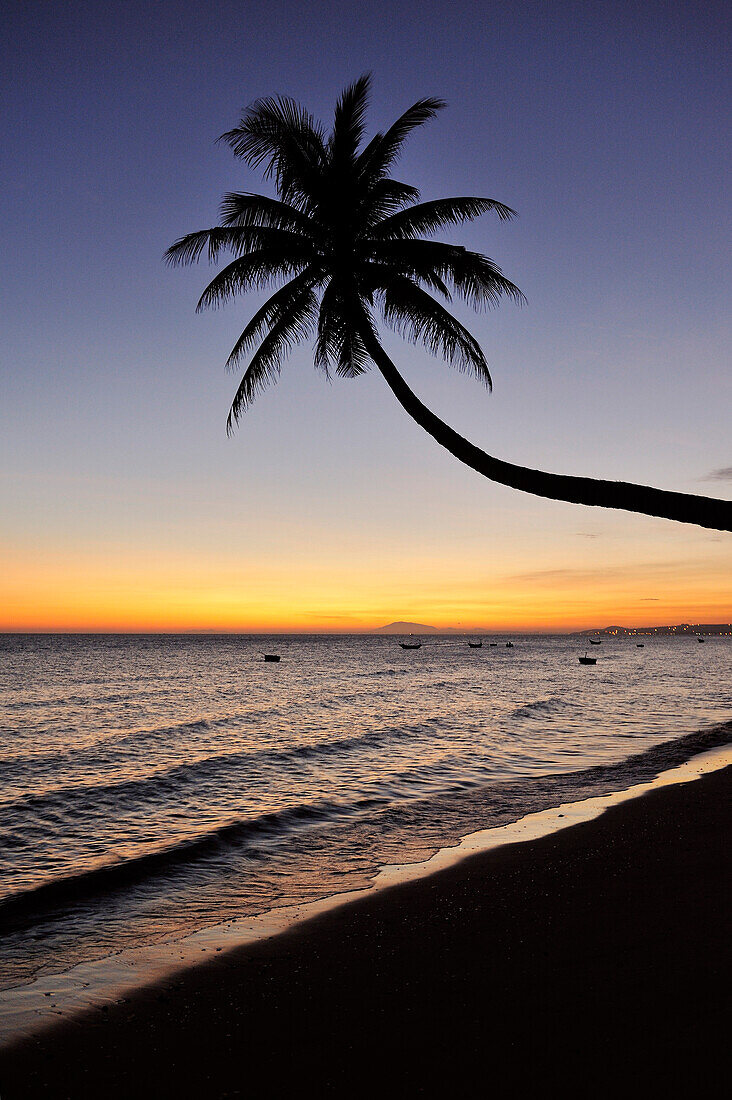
{"x": 347, "y": 239}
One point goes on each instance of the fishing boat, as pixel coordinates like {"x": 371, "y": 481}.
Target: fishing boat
{"x": 271, "y": 656}
{"x": 475, "y": 645}
{"x": 411, "y": 645}
{"x": 595, "y": 641}
{"x": 587, "y": 660}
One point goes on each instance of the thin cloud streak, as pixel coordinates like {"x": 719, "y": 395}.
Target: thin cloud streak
{"x": 606, "y": 572}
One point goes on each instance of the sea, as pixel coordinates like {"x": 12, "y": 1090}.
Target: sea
{"x": 155, "y": 785}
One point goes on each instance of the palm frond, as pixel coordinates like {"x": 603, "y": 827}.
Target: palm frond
{"x": 252, "y": 272}
{"x": 188, "y": 249}
{"x": 324, "y": 351}
{"x": 376, "y": 275}
{"x": 475, "y": 277}
{"x": 245, "y": 208}
{"x": 272, "y": 312}
{"x": 416, "y": 315}
{"x": 480, "y": 281}
{"x": 348, "y": 122}
{"x": 281, "y": 136}
{"x": 427, "y": 217}
{"x": 331, "y": 328}
{"x": 383, "y": 149}
{"x": 294, "y": 326}
{"x": 239, "y": 239}
{"x": 338, "y": 341}
{"x": 353, "y": 359}
{"x": 383, "y": 199}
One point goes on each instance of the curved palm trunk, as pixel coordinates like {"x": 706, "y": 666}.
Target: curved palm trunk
{"x": 683, "y": 507}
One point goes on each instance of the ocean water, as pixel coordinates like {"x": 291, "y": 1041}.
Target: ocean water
{"x": 151, "y": 786}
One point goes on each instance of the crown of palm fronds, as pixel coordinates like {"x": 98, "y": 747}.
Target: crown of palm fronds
{"x": 346, "y": 238}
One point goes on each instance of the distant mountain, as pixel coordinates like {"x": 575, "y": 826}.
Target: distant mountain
{"x": 405, "y": 628}
{"x": 681, "y": 628}
{"x": 416, "y": 628}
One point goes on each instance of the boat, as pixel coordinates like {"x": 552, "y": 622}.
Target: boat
{"x": 271, "y": 656}
{"x": 700, "y": 639}
{"x": 475, "y": 645}
{"x": 509, "y": 645}
{"x": 411, "y": 645}
{"x": 640, "y": 645}
{"x": 492, "y": 644}
{"x": 587, "y": 660}
{"x": 594, "y": 641}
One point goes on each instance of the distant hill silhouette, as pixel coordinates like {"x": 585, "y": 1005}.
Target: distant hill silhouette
{"x": 681, "y": 628}
{"x": 405, "y": 628}
{"x": 415, "y": 628}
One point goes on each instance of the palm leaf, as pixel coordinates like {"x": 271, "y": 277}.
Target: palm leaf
{"x": 383, "y": 149}
{"x": 252, "y": 273}
{"x": 188, "y": 249}
{"x": 416, "y": 315}
{"x": 374, "y": 277}
{"x": 474, "y": 277}
{"x": 295, "y": 325}
{"x": 427, "y": 217}
{"x": 244, "y": 209}
{"x": 283, "y": 137}
{"x": 348, "y": 122}
{"x": 383, "y": 199}
{"x": 239, "y": 239}
{"x": 272, "y": 312}
{"x": 338, "y": 340}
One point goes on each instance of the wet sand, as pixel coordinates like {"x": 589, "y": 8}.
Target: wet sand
{"x": 593, "y": 961}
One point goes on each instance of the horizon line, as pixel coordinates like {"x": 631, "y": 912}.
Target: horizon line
{"x": 379, "y": 631}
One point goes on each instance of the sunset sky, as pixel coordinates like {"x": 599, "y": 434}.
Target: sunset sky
{"x": 125, "y": 507}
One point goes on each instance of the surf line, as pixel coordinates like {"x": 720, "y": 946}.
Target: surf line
{"x": 30, "y": 1008}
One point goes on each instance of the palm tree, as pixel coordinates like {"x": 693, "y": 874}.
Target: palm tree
{"x": 346, "y": 239}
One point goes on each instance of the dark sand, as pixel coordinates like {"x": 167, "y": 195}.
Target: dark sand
{"x": 593, "y": 961}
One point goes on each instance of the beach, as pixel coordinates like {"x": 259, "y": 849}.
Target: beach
{"x": 593, "y": 960}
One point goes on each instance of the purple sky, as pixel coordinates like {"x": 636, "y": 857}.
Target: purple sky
{"x": 602, "y": 124}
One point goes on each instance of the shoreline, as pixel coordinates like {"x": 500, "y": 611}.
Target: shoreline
{"x": 230, "y": 988}
{"x": 46, "y": 1001}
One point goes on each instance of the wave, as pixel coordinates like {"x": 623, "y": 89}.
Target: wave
{"x": 541, "y": 707}
{"x": 19, "y": 764}
{"x": 384, "y": 672}
{"x": 170, "y": 781}
{"x": 245, "y": 837}
{"x": 663, "y": 756}
{"x": 107, "y": 877}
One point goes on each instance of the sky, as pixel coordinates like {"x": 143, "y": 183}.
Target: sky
{"x": 123, "y": 504}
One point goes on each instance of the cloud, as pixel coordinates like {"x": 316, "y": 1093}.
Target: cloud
{"x": 650, "y": 599}
{"x": 652, "y": 571}
{"x": 723, "y": 474}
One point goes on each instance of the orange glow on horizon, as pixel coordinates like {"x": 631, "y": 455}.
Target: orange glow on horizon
{"x": 73, "y": 592}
